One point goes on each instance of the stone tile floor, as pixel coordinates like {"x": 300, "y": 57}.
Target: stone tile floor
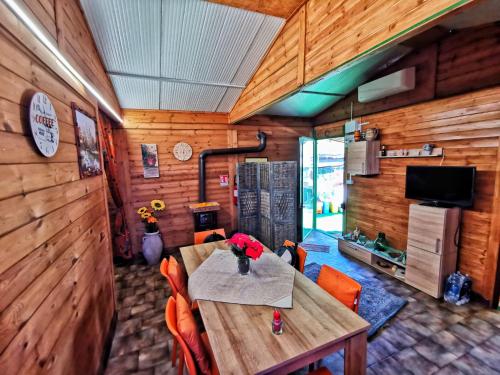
{"x": 426, "y": 337}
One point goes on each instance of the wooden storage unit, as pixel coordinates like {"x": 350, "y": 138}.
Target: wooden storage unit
{"x": 431, "y": 253}
{"x": 373, "y": 258}
{"x": 362, "y": 158}
{"x": 431, "y": 250}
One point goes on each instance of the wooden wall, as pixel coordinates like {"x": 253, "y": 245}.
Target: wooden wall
{"x": 325, "y": 34}
{"x": 56, "y": 277}
{"x": 456, "y": 63}
{"x": 178, "y": 181}
{"x": 466, "y": 125}
{"x": 65, "y": 24}
{"x": 281, "y": 72}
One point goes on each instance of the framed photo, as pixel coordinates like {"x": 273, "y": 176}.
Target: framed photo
{"x": 87, "y": 141}
{"x": 150, "y": 160}
{"x": 256, "y": 160}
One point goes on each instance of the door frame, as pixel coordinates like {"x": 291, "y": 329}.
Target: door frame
{"x": 302, "y": 140}
{"x": 344, "y": 179}
{"x": 315, "y": 140}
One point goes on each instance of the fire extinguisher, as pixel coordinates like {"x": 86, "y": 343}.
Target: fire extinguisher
{"x": 235, "y": 192}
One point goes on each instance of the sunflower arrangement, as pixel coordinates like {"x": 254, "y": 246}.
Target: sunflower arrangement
{"x": 149, "y": 216}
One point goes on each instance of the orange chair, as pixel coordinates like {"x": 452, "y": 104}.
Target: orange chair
{"x": 320, "y": 371}
{"x": 164, "y": 272}
{"x": 301, "y": 252}
{"x": 199, "y": 237}
{"x": 340, "y": 286}
{"x": 187, "y": 357}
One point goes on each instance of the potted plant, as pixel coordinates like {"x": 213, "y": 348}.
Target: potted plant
{"x": 245, "y": 248}
{"x": 152, "y": 245}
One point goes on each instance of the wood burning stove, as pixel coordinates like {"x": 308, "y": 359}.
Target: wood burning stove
{"x": 205, "y": 215}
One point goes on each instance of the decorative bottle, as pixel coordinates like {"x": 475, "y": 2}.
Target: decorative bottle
{"x": 277, "y": 325}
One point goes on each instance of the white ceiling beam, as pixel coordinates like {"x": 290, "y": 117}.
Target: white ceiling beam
{"x": 176, "y": 80}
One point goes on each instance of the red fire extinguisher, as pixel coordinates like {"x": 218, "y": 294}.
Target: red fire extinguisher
{"x": 235, "y": 192}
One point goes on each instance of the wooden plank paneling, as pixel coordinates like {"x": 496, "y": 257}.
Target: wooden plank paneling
{"x": 279, "y": 72}
{"x": 467, "y": 127}
{"x": 336, "y": 32}
{"x": 277, "y": 8}
{"x": 178, "y": 181}
{"x": 44, "y": 11}
{"x": 425, "y": 63}
{"x": 56, "y": 272}
{"x": 76, "y": 42}
{"x": 469, "y": 60}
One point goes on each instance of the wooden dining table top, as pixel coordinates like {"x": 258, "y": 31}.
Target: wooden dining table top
{"x": 241, "y": 336}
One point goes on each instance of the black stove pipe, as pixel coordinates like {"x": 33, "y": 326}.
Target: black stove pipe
{"x": 261, "y": 136}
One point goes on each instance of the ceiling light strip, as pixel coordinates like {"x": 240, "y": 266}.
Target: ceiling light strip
{"x": 40, "y": 35}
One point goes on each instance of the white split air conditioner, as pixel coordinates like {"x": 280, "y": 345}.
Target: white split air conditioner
{"x": 395, "y": 83}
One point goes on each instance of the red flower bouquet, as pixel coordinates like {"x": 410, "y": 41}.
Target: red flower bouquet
{"x": 243, "y": 246}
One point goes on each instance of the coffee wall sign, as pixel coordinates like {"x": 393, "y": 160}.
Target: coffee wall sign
{"x": 44, "y": 125}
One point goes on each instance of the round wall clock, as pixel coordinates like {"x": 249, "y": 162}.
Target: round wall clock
{"x": 183, "y": 151}
{"x": 44, "y": 125}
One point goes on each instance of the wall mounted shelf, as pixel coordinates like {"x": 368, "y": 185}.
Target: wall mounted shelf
{"x": 412, "y": 153}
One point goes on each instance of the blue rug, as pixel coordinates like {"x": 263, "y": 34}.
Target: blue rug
{"x": 377, "y": 305}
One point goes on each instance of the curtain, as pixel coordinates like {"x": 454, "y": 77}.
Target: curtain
{"x": 121, "y": 237}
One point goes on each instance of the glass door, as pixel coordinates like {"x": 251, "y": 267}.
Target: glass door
{"x": 307, "y": 182}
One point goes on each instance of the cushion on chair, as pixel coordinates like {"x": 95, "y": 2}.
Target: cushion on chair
{"x": 321, "y": 371}
{"x": 178, "y": 276}
{"x": 206, "y": 344}
{"x": 340, "y": 286}
{"x": 302, "y": 258}
{"x": 186, "y": 325}
{"x": 164, "y": 267}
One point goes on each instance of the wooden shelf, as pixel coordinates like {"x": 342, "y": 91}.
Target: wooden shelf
{"x": 436, "y": 152}
{"x": 377, "y": 253}
{"x": 388, "y": 271}
{"x": 408, "y": 156}
{"x": 371, "y": 256}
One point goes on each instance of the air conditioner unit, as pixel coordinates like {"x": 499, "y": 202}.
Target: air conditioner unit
{"x": 395, "y": 83}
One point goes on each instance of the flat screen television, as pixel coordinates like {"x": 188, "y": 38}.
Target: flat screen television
{"x": 445, "y": 186}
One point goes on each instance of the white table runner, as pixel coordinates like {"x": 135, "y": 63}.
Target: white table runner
{"x": 269, "y": 283}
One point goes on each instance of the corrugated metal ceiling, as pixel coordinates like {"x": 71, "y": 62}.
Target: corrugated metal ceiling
{"x": 179, "y": 54}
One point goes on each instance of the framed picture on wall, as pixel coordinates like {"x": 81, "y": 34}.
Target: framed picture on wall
{"x": 150, "y": 160}
{"x": 87, "y": 141}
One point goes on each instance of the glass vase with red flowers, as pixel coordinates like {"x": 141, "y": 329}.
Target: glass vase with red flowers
{"x": 245, "y": 248}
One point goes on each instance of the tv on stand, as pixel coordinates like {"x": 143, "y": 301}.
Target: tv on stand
{"x": 441, "y": 186}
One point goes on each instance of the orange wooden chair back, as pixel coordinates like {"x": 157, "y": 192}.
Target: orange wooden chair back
{"x": 340, "y": 286}
{"x": 164, "y": 272}
{"x": 171, "y": 320}
{"x": 302, "y": 254}
{"x": 199, "y": 237}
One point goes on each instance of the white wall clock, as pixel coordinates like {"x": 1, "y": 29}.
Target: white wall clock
{"x": 44, "y": 125}
{"x": 183, "y": 151}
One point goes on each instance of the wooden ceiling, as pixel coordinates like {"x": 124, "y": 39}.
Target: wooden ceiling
{"x": 277, "y": 8}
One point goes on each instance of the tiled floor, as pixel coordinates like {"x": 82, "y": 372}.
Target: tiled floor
{"x": 425, "y": 337}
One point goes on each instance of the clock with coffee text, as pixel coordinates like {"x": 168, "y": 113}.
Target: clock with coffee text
{"x": 44, "y": 125}
{"x": 183, "y": 151}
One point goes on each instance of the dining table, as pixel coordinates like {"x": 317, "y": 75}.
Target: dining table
{"x": 316, "y": 326}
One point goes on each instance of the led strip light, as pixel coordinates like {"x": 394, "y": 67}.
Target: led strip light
{"x": 21, "y": 14}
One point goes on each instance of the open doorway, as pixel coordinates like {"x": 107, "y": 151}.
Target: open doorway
{"x": 330, "y": 185}
{"x": 322, "y": 185}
